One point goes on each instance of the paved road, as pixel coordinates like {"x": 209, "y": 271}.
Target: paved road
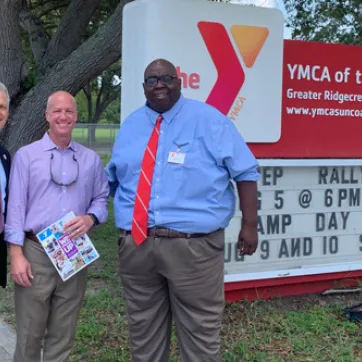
{"x": 7, "y": 342}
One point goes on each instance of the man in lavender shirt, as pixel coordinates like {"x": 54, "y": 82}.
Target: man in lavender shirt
{"x": 50, "y": 178}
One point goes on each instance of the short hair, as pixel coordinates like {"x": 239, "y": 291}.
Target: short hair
{"x": 50, "y": 98}
{"x": 5, "y": 90}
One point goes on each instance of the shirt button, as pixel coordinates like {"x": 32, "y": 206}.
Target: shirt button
{"x": 162, "y": 132}
{"x": 158, "y": 163}
{"x": 158, "y": 179}
{"x": 64, "y": 210}
{"x": 157, "y": 196}
{"x": 64, "y": 173}
{"x": 64, "y": 191}
{"x": 157, "y": 212}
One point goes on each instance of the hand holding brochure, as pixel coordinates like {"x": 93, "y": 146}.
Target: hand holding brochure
{"x": 68, "y": 255}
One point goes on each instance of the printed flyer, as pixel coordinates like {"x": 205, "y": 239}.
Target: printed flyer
{"x": 68, "y": 255}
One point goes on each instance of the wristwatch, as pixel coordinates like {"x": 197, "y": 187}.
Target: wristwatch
{"x": 94, "y": 218}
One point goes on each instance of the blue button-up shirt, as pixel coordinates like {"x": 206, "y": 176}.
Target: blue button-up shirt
{"x": 195, "y": 196}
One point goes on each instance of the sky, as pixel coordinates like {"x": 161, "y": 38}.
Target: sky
{"x": 270, "y": 4}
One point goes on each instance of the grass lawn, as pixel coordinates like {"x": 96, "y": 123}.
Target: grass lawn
{"x": 308, "y": 328}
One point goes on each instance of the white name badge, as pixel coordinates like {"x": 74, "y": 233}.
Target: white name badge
{"x": 176, "y": 157}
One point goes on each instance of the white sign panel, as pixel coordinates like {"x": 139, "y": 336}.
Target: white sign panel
{"x": 310, "y": 221}
{"x": 227, "y": 55}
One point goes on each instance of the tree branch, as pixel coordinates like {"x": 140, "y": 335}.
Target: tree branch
{"x": 93, "y": 56}
{"x": 49, "y": 8}
{"x": 37, "y": 36}
{"x": 88, "y": 93}
{"x": 99, "y": 95}
{"x": 111, "y": 98}
{"x": 86, "y": 90}
{"x": 69, "y": 32}
{"x": 103, "y": 105}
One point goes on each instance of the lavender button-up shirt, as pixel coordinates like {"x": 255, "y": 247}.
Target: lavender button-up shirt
{"x": 35, "y": 199}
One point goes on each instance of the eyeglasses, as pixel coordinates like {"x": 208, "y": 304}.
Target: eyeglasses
{"x": 60, "y": 183}
{"x": 164, "y": 79}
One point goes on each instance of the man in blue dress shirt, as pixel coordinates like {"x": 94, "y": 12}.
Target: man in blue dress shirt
{"x": 178, "y": 271}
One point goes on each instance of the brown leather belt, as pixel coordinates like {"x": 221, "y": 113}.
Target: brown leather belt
{"x": 168, "y": 233}
{"x": 31, "y": 236}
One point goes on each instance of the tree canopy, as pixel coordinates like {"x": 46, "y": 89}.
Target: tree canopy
{"x": 330, "y": 21}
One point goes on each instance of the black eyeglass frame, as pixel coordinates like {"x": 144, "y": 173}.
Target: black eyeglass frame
{"x": 52, "y": 178}
{"x": 161, "y": 78}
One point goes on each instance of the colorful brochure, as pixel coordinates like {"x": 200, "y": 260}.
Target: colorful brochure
{"x": 68, "y": 255}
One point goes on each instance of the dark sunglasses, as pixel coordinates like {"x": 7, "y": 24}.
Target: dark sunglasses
{"x": 164, "y": 79}
{"x": 60, "y": 183}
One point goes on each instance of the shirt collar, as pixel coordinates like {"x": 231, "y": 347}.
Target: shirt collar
{"x": 167, "y": 116}
{"x": 48, "y": 144}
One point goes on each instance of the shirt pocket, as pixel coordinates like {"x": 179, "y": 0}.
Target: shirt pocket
{"x": 178, "y": 169}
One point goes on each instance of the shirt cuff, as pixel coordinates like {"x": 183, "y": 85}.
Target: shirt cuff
{"x": 248, "y": 176}
{"x": 13, "y": 235}
{"x": 101, "y": 214}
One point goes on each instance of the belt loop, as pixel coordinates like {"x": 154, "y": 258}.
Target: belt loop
{"x": 122, "y": 232}
{"x": 154, "y": 231}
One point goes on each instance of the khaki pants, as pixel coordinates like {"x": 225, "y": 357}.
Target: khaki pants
{"x": 48, "y": 310}
{"x": 183, "y": 279}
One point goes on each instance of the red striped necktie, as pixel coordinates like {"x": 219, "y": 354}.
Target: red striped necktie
{"x": 140, "y": 211}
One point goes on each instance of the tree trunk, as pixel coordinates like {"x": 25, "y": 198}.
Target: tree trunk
{"x": 69, "y": 32}
{"x": 27, "y": 122}
{"x": 37, "y": 35}
{"x": 92, "y": 133}
{"x": 11, "y": 51}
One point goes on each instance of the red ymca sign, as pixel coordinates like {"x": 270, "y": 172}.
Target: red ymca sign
{"x": 322, "y": 103}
